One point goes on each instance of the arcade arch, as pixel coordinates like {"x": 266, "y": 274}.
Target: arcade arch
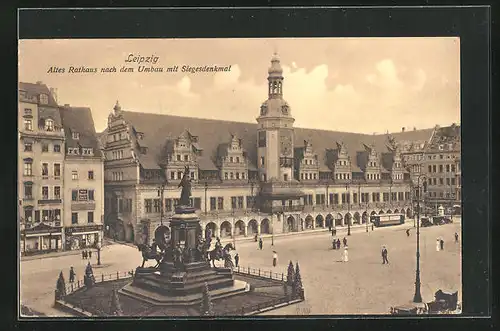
{"x": 265, "y": 226}
{"x": 357, "y": 218}
{"x": 239, "y": 228}
{"x": 252, "y": 227}
{"x": 319, "y": 221}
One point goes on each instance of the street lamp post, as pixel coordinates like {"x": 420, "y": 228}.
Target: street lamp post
{"x": 234, "y": 233}
{"x": 98, "y": 252}
{"x": 206, "y": 187}
{"x": 348, "y": 209}
{"x": 417, "y": 298}
{"x": 160, "y": 194}
{"x": 272, "y": 230}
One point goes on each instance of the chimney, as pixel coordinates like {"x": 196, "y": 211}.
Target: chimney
{"x": 53, "y": 92}
{"x": 66, "y": 105}
{"x": 403, "y": 129}
{"x": 39, "y": 82}
{"x": 414, "y": 128}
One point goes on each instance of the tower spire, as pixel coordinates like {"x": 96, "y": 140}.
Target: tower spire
{"x": 275, "y": 78}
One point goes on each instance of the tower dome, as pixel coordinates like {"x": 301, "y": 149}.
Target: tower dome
{"x": 275, "y": 69}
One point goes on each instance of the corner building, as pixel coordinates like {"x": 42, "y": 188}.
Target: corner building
{"x": 40, "y": 170}
{"x": 248, "y": 179}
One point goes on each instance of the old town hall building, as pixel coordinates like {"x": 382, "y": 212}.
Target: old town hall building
{"x": 269, "y": 177}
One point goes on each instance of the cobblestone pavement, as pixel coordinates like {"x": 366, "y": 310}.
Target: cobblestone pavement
{"x": 361, "y": 286}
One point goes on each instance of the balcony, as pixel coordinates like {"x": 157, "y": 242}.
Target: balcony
{"x": 82, "y": 205}
{"x": 46, "y": 201}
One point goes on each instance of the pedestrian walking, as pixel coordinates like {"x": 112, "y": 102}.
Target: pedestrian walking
{"x": 275, "y": 258}
{"x": 83, "y": 255}
{"x": 407, "y": 232}
{"x": 72, "y": 275}
{"x": 260, "y": 243}
{"x": 346, "y": 255}
{"x": 338, "y": 243}
{"x": 384, "y": 255}
{"x": 330, "y": 229}
{"x": 456, "y": 237}
{"x": 255, "y": 238}
{"x": 372, "y": 226}
{"x": 441, "y": 244}
{"x": 90, "y": 254}
{"x": 334, "y": 243}
{"x": 438, "y": 245}
{"x": 236, "y": 259}
{"x": 344, "y": 241}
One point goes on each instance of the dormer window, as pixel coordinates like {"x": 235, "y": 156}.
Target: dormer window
{"x": 44, "y": 99}
{"x": 49, "y": 125}
{"x": 87, "y": 151}
{"x": 75, "y": 135}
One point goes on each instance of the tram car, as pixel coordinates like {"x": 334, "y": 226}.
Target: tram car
{"x": 440, "y": 220}
{"x": 425, "y": 222}
{"x": 387, "y": 219}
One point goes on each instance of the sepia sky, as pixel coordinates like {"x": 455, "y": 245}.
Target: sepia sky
{"x": 361, "y": 85}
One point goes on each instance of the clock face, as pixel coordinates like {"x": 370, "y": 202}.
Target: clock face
{"x": 286, "y": 143}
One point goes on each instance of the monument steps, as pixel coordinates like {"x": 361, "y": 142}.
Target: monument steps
{"x": 155, "y": 298}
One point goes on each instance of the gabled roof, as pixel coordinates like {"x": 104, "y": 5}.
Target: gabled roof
{"x": 34, "y": 90}
{"x": 79, "y": 119}
{"x": 213, "y": 133}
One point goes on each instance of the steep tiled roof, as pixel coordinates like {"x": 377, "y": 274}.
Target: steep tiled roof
{"x": 79, "y": 119}
{"x": 44, "y": 111}
{"x": 34, "y": 90}
{"x": 212, "y": 133}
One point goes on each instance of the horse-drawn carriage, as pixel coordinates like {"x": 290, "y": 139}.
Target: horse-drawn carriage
{"x": 440, "y": 220}
{"x": 425, "y": 222}
{"x": 444, "y": 303}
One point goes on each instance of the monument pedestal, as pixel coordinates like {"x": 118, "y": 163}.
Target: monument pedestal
{"x": 182, "y": 282}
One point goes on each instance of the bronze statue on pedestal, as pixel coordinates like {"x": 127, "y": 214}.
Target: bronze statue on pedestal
{"x": 186, "y": 188}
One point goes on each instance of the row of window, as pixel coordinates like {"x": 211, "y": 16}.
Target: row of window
{"x": 80, "y": 151}
{"x": 308, "y": 162}
{"x": 216, "y": 203}
{"x": 117, "y": 175}
{"x": 236, "y": 175}
{"x": 82, "y": 195}
{"x": 442, "y": 168}
{"x": 233, "y": 159}
{"x": 45, "y": 215}
{"x": 117, "y": 155}
{"x": 449, "y": 181}
{"x": 441, "y": 157}
{"x": 372, "y": 164}
{"x": 28, "y": 192}
{"x": 178, "y": 175}
{"x": 441, "y": 195}
{"x": 90, "y": 218}
{"x": 346, "y": 198}
{"x": 373, "y": 176}
{"x": 28, "y": 147}
{"x": 398, "y": 176}
{"x": 308, "y": 175}
{"x": 74, "y": 175}
{"x": 48, "y": 125}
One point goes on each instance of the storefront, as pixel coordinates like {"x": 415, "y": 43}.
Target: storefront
{"x": 79, "y": 237}
{"x": 41, "y": 238}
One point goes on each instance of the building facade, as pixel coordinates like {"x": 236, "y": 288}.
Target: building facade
{"x": 54, "y": 143}
{"x": 247, "y": 179}
{"x": 443, "y": 167}
{"x": 83, "y": 180}
{"x": 40, "y": 169}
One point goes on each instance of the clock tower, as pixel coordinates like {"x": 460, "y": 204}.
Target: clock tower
{"x": 275, "y": 130}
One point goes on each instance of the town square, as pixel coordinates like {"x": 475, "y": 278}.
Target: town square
{"x": 269, "y": 209}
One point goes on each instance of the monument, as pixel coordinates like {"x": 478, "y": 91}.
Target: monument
{"x": 183, "y": 262}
